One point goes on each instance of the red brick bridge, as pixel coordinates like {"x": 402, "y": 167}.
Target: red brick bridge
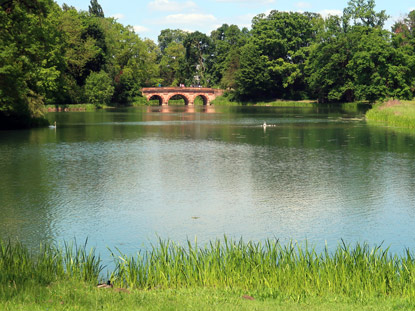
{"x": 189, "y": 94}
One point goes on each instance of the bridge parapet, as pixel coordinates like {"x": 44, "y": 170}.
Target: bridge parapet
{"x": 189, "y": 94}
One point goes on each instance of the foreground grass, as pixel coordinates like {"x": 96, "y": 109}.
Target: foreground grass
{"x": 80, "y": 296}
{"x": 393, "y": 113}
{"x": 223, "y": 275}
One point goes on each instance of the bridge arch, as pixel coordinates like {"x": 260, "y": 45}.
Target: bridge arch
{"x": 204, "y": 99}
{"x": 158, "y": 97}
{"x": 185, "y": 98}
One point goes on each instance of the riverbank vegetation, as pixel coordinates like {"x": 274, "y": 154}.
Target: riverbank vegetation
{"x": 222, "y": 273}
{"x": 51, "y": 55}
{"x": 393, "y": 113}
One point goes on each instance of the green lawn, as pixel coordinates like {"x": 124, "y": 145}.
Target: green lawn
{"x": 80, "y": 296}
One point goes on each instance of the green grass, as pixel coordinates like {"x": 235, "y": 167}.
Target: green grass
{"x": 74, "y": 107}
{"x": 215, "y": 276}
{"x": 80, "y": 296}
{"x": 393, "y": 113}
{"x": 224, "y": 101}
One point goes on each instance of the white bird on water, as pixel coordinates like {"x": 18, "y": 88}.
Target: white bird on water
{"x": 264, "y": 125}
{"x": 53, "y": 126}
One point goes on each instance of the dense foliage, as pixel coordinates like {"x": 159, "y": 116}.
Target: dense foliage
{"x": 58, "y": 55}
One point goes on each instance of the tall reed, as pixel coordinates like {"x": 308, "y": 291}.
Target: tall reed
{"x": 393, "y": 113}
{"x": 46, "y": 264}
{"x": 269, "y": 268}
{"x": 293, "y": 270}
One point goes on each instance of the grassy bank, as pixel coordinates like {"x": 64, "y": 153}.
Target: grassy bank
{"x": 77, "y": 107}
{"x": 221, "y": 275}
{"x": 224, "y": 101}
{"x": 393, "y": 113}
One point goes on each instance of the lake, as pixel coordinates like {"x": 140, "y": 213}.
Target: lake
{"x": 124, "y": 177}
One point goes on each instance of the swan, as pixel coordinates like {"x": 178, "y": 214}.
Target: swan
{"x": 53, "y": 126}
{"x": 264, "y": 125}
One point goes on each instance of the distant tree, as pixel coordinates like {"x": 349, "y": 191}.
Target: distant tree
{"x": 99, "y": 89}
{"x": 282, "y": 41}
{"x": 252, "y": 78}
{"x": 173, "y": 57}
{"x": 168, "y": 36}
{"x": 96, "y": 9}
{"x": 227, "y": 41}
{"x": 356, "y": 59}
{"x": 199, "y": 48}
{"x": 363, "y": 13}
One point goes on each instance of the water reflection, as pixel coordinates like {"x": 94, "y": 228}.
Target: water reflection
{"x": 321, "y": 175}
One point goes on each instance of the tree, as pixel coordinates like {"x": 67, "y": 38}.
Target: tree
{"x": 363, "y": 13}
{"x": 326, "y": 67}
{"x": 231, "y": 67}
{"x": 358, "y": 61}
{"x": 227, "y": 41}
{"x": 173, "y": 57}
{"x": 96, "y": 9}
{"x": 168, "y": 36}
{"x": 283, "y": 42}
{"x": 84, "y": 45}
{"x": 133, "y": 62}
{"x": 198, "y": 52}
{"x": 99, "y": 89}
{"x": 252, "y": 79}
{"x": 30, "y": 58}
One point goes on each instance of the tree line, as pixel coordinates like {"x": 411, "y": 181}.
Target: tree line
{"x": 59, "y": 55}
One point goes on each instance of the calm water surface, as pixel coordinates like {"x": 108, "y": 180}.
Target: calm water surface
{"x": 126, "y": 177}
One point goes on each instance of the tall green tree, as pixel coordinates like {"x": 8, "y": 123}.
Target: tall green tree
{"x": 84, "y": 51}
{"x": 99, "y": 89}
{"x": 283, "y": 40}
{"x": 30, "y": 57}
{"x": 252, "y": 78}
{"x": 133, "y": 62}
{"x": 198, "y": 56}
{"x": 96, "y": 9}
{"x": 167, "y": 36}
{"x": 170, "y": 64}
{"x": 227, "y": 41}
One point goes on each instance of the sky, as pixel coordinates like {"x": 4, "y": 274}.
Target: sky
{"x": 149, "y": 17}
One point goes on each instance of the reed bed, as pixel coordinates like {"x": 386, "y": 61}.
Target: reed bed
{"x": 394, "y": 113}
{"x": 293, "y": 271}
{"x": 47, "y": 264}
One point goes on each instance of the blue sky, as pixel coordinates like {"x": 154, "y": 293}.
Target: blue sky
{"x": 149, "y": 17}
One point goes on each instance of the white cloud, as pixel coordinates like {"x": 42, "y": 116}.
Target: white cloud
{"x": 193, "y": 19}
{"x": 140, "y": 29}
{"x": 171, "y": 6}
{"x": 118, "y": 16}
{"x": 303, "y": 5}
{"x": 327, "y": 13}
